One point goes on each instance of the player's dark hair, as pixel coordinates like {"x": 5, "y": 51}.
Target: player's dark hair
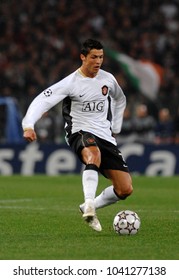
{"x": 90, "y": 44}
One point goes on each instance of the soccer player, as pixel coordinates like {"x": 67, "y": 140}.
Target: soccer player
{"x": 93, "y": 106}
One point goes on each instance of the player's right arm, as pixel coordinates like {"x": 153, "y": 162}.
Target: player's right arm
{"x": 40, "y": 105}
{"x": 37, "y": 108}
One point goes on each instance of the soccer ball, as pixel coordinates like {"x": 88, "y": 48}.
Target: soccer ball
{"x": 126, "y": 222}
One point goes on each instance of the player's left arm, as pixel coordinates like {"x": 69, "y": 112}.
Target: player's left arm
{"x": 118, "y": 105}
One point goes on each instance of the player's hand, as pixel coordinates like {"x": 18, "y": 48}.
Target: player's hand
{"x": 30, "y": 135}
{"x": 114, "y": 135}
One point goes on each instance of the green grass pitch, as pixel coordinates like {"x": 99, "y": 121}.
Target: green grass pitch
{"x": 40, "y": 220}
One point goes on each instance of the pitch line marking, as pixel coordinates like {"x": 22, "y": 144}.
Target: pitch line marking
{"x": 59, "y": 208}
{"x": 21, "y": 207}
{"x": 14, "y": 200}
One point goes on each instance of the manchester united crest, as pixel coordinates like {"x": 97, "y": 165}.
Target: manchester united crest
{"x": 90, "y": 140}
{"x": 104, "y": 90}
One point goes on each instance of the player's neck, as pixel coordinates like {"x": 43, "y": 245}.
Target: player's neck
{"x": 86, "y": 73}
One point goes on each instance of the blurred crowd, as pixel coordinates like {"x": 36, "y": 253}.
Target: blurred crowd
{"x": 40, "y": 42}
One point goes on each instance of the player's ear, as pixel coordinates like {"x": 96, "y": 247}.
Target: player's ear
{"x": 82, "y": 57}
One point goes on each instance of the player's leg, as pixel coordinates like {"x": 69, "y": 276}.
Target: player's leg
{"x": 114, "y": 167}
{"x": 86, "y": 147}
{"x": 91, "y": 157}
{"x": 120, "y": 189}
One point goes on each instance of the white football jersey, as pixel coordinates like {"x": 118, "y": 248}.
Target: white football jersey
{"x": 94, "y": 105}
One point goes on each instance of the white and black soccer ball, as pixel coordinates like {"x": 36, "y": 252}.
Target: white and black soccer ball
{"x": 126, "y": 222}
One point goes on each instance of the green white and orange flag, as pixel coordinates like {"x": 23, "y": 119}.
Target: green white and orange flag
{"x": 144, "y": 75}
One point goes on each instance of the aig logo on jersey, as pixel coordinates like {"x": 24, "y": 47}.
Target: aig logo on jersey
{"x": 104, "y": 90}
{"x": 48, "y": 92}
{"x": 93, "y": 106}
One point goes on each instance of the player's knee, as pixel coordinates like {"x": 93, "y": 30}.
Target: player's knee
{"x": 125, "y": 191}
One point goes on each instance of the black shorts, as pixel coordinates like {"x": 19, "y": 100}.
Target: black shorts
{"x": 111, "y": 157}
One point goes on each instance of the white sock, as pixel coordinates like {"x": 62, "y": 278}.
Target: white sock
{"x": 107, "y": 197}
{"x": 90, "y": 183}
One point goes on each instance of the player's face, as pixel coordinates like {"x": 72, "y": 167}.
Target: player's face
{"x": 92, "y": 62}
